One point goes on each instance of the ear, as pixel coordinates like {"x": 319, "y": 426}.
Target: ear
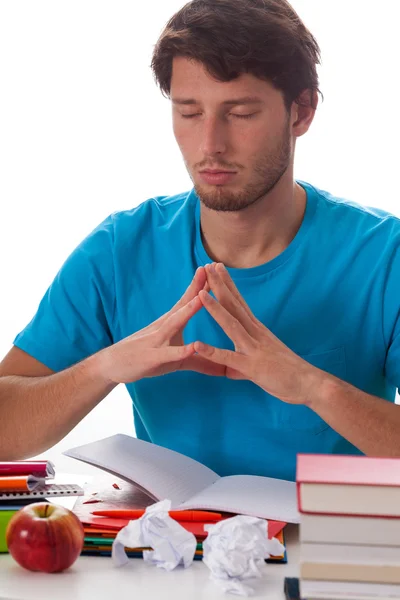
{"x": 303, "y": 112}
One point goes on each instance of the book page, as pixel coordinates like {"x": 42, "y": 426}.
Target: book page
{"x": 263, "y": 497}
{"x": 160, "y": 472}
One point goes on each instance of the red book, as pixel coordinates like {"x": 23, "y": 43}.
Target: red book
{"x": 38, "y": 468}
{"x": 114, "y": 525}
{"x": 348, "y": 485}
{"x": 119, "y": 494}
{"x": 104, "y": 524}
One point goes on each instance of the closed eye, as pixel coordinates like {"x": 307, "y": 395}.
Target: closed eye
{"x": 232, "y": 114}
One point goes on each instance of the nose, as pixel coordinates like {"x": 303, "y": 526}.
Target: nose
{"x": 213, "y": 137}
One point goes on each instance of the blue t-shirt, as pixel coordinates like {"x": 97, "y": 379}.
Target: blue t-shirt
{"x": 332, "y": 296}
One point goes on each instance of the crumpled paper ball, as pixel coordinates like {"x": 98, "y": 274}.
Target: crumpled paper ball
{"x": 234, "y": 551}
{"x": 172, "y": 544}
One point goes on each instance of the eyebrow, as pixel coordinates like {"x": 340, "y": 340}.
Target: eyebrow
{"x": 233, "y": 102}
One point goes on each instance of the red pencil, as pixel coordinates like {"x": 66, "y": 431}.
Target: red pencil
{"x": 201, "y": 516}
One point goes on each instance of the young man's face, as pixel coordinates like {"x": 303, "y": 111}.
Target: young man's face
{"x": 254, "y": 140}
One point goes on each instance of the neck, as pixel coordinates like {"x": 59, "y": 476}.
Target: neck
{"x": 257, "y": 234}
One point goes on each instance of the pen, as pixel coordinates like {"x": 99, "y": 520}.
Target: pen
{"x": 200, "y": 516}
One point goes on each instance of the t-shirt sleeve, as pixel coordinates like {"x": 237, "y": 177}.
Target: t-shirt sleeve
{"x": 75, "y": 318}
{"x": 391, "y": 320}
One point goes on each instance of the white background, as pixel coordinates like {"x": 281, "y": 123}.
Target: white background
{"x": 84, "y": 131}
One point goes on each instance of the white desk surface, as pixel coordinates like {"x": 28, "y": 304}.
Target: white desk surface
{"x": 98, "y": 578}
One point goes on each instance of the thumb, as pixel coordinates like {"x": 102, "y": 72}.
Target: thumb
{"x": 170, "y": 354}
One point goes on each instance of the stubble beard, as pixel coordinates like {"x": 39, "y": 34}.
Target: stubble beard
{"x": 268, "y": 171}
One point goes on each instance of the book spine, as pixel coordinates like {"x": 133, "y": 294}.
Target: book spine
{"x": 5, "y": 518}
{"x": 39, "y": 469}
{"x": 375, "y": 515}
{"x": 298, "y": 495}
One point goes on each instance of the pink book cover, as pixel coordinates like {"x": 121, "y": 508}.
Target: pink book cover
{"x": 346, "y": 470}
{"x": 38, "y": 468}
{"x": 350, "y": 470}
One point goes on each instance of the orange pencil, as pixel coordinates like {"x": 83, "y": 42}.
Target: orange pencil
{"x": 200, "y": 516}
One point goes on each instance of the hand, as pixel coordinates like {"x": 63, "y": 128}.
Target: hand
{"x": 259, "y": 355}
{"x": 158, "y": 348}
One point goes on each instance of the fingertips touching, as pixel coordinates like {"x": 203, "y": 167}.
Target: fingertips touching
{"x": 205, "y": 297}
{"x": 200, "y": 278}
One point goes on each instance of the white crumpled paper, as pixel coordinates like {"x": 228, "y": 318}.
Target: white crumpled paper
{"x": 172, "y": 544}
{"x": 234, "y": 551}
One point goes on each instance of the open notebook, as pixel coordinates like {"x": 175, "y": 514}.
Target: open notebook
{"x": 164, "y": 473}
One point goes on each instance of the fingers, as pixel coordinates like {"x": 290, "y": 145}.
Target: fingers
{"x": 202, "y": 365}
{"x": 206, "y": 287}
{"x": 231, "y": 360}
{"x": 228, "y": 295}
{"x": 198, "y": 282}
{"x": 222, "y": 272}
{"x": 230, "y": 324}
{"x": 176, "y": 321}
{"x": 171, "y": 354}
{"x": 227, "y": 279}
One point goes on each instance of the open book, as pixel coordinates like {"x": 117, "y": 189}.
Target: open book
{"x": 164, "y": 473}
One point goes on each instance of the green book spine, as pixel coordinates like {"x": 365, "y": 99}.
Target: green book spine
{"x": 5, "y": 516}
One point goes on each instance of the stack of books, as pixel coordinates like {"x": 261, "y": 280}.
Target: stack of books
{"x": 105, "y": 510}
{"x": 161, "y": 473}
{"x": 25, "y": 482}
{"x": 350, "y": 526}
{"x": 99, "y": 539}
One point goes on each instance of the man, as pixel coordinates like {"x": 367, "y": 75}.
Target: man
{"x": 297, "y": 348}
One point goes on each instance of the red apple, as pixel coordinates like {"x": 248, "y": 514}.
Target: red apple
{"x": 45, "y": 537}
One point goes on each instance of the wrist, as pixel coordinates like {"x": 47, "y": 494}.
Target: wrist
{"x": 323, "y": 387}
{"x": 97, "y": 368}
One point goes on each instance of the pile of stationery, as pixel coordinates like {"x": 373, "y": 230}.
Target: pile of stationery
{"x": 350, "y": 526}
{"x": 105, "y": 512}
{"x": 100, "y": 535}
{"x": 25, "y": 482}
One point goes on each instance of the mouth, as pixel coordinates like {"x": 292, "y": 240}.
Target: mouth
{"x": 217, "y": 177}
{"x": 216, "y": 171}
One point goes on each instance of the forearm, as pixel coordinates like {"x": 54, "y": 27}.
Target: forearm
{"x": 368, "y": 422}
{"x": 37, "y": 412}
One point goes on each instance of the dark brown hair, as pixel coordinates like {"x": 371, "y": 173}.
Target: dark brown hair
{"x": 263, "y": 37}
